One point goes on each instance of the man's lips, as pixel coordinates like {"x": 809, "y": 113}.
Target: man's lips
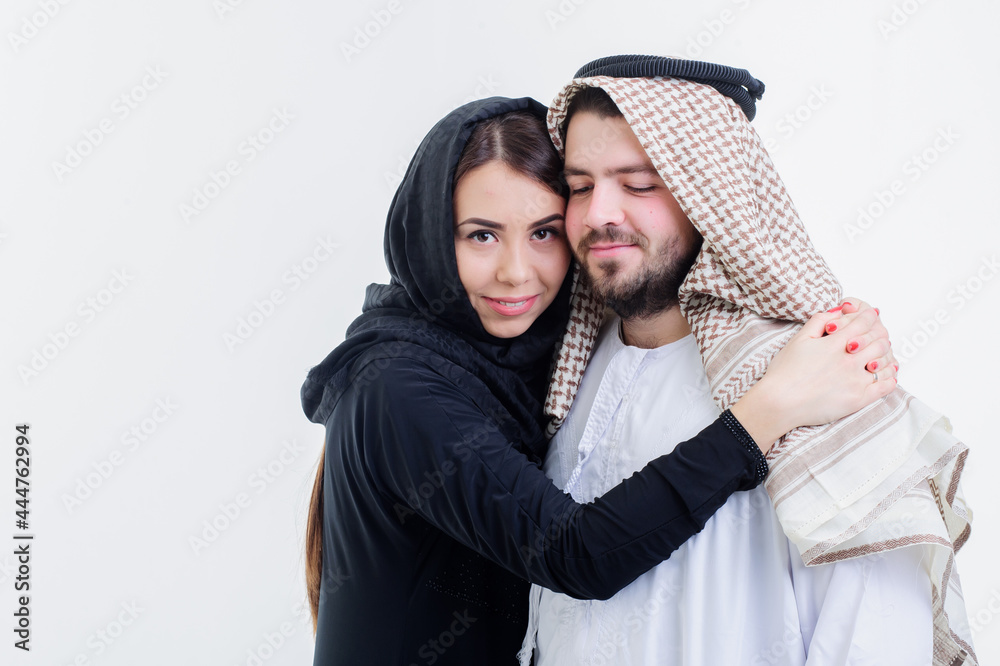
{"x": 511, "y": 306}
{"x": 602, "y": 250}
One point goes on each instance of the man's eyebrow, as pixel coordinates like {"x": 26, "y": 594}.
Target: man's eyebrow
{"x": 633, "y": 168}
{"x": 490, "y": 224}
{"x": 617, "y": 171}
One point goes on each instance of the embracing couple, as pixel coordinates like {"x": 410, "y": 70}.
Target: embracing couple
{"x": 612, "y": 407}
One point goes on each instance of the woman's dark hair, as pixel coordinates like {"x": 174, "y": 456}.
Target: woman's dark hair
{"x": 314, "y": 541}
{"x": 519, "y": 140}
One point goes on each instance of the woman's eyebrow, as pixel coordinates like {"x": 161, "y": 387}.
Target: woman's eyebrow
{"x": 546, "y": 220}
{"x": 489, "y": 224}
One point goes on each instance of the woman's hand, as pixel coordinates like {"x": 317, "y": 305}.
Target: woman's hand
{"x": 820, "y": 376}
{"x": 849, "y": 308}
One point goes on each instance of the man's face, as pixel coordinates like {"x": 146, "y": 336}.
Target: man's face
{"x": 623, "y": 224}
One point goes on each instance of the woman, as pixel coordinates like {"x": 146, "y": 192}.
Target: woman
{"x": 436, "y": 510}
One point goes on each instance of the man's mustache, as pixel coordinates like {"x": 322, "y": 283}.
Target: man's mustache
{"x": 611, "y": 235}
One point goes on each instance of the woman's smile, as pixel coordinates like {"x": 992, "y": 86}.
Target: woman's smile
{"x": 512, "y": 307}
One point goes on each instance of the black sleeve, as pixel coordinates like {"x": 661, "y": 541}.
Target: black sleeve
{"x": 429, "y": 448}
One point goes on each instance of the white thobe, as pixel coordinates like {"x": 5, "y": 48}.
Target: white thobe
{"x": 737, "y": 592}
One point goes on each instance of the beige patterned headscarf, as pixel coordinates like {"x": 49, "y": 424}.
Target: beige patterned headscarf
{"x": 886, "y": 477}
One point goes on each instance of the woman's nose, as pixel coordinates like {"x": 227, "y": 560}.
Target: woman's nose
{"x": 514, "y": 267}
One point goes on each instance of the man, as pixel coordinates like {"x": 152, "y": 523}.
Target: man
{"x": 738, "y": 592}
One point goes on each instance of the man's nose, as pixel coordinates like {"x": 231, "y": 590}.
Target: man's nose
{"x": 605, "y": 207}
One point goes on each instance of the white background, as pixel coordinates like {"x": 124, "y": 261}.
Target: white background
{"x": 867, "y": 84}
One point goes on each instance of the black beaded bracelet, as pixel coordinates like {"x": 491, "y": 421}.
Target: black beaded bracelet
{"x": 744, "y": 438}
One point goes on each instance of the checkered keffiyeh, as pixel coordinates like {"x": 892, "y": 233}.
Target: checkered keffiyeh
{"x": 886, "y": 477}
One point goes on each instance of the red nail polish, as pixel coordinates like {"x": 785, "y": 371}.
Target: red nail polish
{"x": 831, "y": 327}
{"x": 895, "y": 367}
{"x": 852, "y": 347}
{"x": 876, "y": 311}
{"x": 836, "y": 309}
{"x": 873, "y": 366}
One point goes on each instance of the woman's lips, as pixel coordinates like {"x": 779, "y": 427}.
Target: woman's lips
{"x": 511, "y": 306}
{"x": 610, "y": 249}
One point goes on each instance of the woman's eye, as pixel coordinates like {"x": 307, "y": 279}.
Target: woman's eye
{"x": 545, "y": 234}
{"x": 481, "y": 236}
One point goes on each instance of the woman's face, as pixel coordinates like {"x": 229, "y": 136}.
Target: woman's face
{"x": 511, "y": 246}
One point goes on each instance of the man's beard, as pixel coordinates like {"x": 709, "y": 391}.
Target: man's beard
{"x": 654, "y": 286}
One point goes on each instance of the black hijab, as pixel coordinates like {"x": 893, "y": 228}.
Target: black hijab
{"x": 425, "y": 312}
